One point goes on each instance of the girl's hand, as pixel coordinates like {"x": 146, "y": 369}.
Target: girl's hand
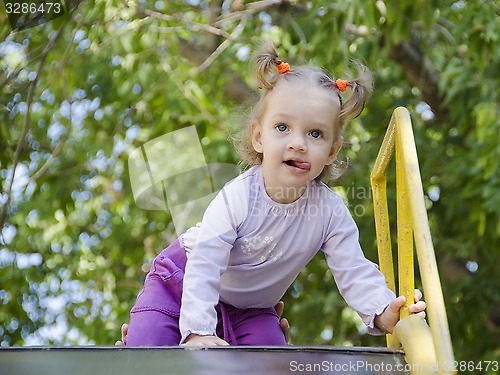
{"x": 388, "y": 319}
{"x": 124, "y": 335}
{"x": 197, "y": 340}
{"x": 284, "y": 325}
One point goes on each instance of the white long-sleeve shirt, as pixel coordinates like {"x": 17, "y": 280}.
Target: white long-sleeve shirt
{"x": 250, "y": 249}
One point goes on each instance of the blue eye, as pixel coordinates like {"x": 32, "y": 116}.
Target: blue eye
{"x": 281, "y": 128}
{"x": 315, "y": 134}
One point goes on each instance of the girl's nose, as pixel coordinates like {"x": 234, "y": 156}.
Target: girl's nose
{"x": 297, "y": 143}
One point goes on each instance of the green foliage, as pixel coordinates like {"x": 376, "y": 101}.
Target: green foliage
{"x": 82, "y": 92}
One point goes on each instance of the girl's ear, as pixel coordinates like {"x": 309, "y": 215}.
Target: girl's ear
{"x": 337, "y": 145}
{"x": 257, "y": 136}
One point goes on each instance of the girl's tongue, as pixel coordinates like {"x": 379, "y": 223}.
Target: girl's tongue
{"x": 298, "y": 164}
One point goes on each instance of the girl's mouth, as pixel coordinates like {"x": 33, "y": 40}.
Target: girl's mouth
{"x": 298, "y": 164}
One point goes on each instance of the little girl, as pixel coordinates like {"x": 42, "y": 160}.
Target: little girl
{"x": 217, "y": 284}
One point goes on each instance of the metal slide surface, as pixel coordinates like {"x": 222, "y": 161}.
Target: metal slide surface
{"x": 197, "y": 361}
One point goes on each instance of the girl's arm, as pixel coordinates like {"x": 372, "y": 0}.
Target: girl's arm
{"x": 206, "y": 263}
{"x": 359, "y": 280}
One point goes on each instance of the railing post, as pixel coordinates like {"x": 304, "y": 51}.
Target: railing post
{"x": 412, "y": 222}
{"x": 378, "y": 183}
{"x": 406, "y": 272}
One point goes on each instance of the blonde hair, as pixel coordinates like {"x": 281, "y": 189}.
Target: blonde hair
{"x": 267, "y": 75}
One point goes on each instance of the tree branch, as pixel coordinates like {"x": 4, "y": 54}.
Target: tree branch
{"x": 226, "y": 43}
{"x": 251, "y": 9}
{"x": 215, "y": 12}
{"x": 189, "y": 24}
{"x": 236, "y": 88}
{"x": 29, "y": 100}
{"x": 421, "y": 73}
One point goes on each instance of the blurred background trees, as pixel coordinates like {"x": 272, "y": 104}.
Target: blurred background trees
{"x": 78, "y": 94}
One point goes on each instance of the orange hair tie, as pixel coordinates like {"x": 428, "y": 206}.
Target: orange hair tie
{"x": 283, "y": 67}
{"x": 341, "y": 84}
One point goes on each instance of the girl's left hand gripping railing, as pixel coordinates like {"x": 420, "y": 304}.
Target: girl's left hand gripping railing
{"x": 428, "y": 351}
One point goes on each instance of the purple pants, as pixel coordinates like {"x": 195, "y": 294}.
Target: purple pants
{"x": 154, "y": 319}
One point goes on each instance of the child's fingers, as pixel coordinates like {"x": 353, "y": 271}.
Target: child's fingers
{"x": 421, "y": 314}
{"x": 124, "y": 331}
{"x": 284, "y": 324}
{"x": 215, "y": 341}
{"x": 205, "y": 341}
{"x": 285, "y": 327}
{"x": 124, "y": 335}
{"x": 417, "y": 295}
{"x": 420, "y": 306}
{"x": 397, "y": 303}
{"x": 279, "y": 308}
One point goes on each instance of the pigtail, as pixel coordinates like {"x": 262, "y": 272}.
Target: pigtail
{"x": 361, "y": 89}
{"x": 265, "y": 64}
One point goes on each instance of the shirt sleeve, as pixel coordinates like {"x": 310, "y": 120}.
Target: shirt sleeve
{"x": 207, "y": 261}
{"x": 359, "y": 280}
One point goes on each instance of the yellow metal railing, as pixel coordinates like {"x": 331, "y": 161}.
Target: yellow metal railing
{"x": 427, "y": 350}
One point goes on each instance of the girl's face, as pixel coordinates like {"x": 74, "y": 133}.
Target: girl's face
{"x": 296, "y": 136}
